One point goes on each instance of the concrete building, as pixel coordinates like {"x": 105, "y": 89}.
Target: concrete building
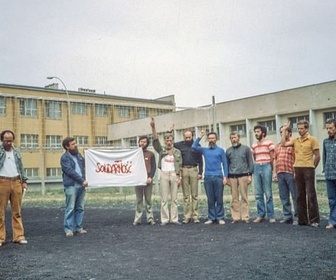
{"x": 315, "y": 103}
{"x": 40, "y": 119}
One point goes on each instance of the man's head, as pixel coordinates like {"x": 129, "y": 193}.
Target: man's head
{"x": 260, "y": 132}
{"x": 7, "y": 138}
{"x": 331, "y": 128}
{"x": 303, "y": 127}
{"x": 212, "y": 139}
{"x": 143, "y": 142}
{"x": 169, "y": 141}
{"x": 289, "y": 132}
{"x": 69, "y": 144}
{"x": 188, "y": 137}
{"x": 234, "y": 138}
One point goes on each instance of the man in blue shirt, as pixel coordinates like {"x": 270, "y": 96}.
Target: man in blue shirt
{"x": 329, "y": 168}
{"x": 214, "y": 179}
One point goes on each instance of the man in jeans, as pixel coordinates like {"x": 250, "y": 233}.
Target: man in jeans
{"x": 307, "y": 158}
{"x": 263, "y": 153}
{"x": 214, "y": 180}
{"x": 329, "y": 168}
{"x": 283, "y": 172}
{"x": 73, "y": 174}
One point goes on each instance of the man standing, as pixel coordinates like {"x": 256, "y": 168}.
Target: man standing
{"x": 12, "y": 184}
{"x": 145, "y": 191}
{"x": 240, "y": 163}
{"x": 307, "y": 158}
{"x": 263, "y": 153}
{"x": 283, "y": 172}
{"x": 73, "y": 174}
{"x": 214, "y": 181}
{"x": 192, "y": 169}
{"x": 170, "y": 163}
{"x": 329, "y": 168}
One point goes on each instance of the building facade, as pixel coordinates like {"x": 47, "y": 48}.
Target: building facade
{"x": 42, "y": 117}
{"x": 315, "y": 103}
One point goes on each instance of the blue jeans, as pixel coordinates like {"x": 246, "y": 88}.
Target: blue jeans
{"x": 263, "y": 186}
{"x": 331, "y": 190}
{"x": 214, "y": 188}
{"x": 287, "y": 188}
{"x": 74, "y": 208}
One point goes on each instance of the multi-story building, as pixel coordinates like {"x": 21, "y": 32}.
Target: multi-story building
{"x": 41, "y": 117}
{"x": 315, "y": 103}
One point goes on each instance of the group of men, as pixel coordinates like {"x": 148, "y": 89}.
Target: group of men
{"x": 291, "y": 162}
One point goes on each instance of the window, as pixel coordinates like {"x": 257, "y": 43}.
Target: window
{"x": 142, "y": 113}
{"x": 82, "y": 140}
{"x": 162, "y": 111}
{"x": 133, "y": 142}
{"x": 101, "y": 110}
{"x": 124, "y": 111}
{"x": 2, "y": 105}
{"x": 54, "y": 142}
{"x": 295, "y": 120}
{"x": 78, "y": 108}
{"x": 28, "y": 107}
{"x": 329, "y": 115}
{"x": 54, "y": 172}
{"x": 270, "y": 125}
{"x": 29, "y": 141}
{"x": 53, "y": 109}
{"x": 240, "y": 128}
{"x": 31, "y": 172}
{"x": 100, "y": 140}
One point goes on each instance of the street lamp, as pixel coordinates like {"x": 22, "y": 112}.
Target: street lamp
{"x": 68, "y": 102}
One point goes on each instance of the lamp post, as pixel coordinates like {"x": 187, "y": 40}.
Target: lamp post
{"x": 68, "y": 102}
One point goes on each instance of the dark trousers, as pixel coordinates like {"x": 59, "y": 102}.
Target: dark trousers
{"x": 307, "y": 205}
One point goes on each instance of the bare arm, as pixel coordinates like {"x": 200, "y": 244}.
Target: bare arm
{"x": 154, "y": 133}
{"x": 284, "y": 134}
{"x": 317, "y": 157}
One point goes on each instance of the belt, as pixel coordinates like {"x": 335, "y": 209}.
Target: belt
{"x": 10, "y": 178}
{"x": 189, "y": 166}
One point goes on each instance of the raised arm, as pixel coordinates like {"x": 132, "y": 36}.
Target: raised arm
{"x": 284, "y": 134}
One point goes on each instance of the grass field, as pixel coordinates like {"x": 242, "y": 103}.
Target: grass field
{"x": 111, "y": 197}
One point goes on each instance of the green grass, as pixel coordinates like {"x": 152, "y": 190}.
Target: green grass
{"x": 125, "y": 197}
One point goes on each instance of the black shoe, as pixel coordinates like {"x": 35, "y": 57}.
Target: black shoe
{"x": 289, "y": 221}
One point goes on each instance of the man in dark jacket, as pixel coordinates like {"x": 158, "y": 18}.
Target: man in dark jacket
{"x": 240, "y": 163}
{"x": 73, "y": 174}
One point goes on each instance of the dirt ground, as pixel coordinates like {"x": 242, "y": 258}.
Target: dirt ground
{"x": 114, "y": 249}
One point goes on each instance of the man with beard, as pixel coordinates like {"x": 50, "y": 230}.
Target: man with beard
{"x": 307, "y": 158}
{"x": 170, "y": 163}
{"x": 329, "y": 168}
{"x": 214, "y": 180}
{"x": 240, "y": 176}
{"x": 192, "y": 169}
{"x": 145, "y": 191}
{"x": 73, "y": 174}
{"x": 263, "y": 154}
{"x": 12, "y": 184}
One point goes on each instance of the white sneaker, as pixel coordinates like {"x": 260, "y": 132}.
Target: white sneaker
{"x": 208, "y": 222}
{"x": 221, "y": 222}
{"x": 23, "y": 242}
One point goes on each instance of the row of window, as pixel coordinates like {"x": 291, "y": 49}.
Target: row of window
{"x": 53, "y": 109}
{"x": 55, "y": 172}
{"x": 54, "y": 142}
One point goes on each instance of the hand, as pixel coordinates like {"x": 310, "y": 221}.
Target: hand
{"x": 202, "y": 133}
{"x": 171, "y": 129}
{"x": 275, "y": 177}
{"x": 149, "y": 181}
{"x": 152, "y": 123}
{"x": 24, "y": 185}
{"x": 249, "y": 180}
{"x": 85, "y": 184}
{"x": 225, "y": 181}
{"x": 228, "y": 182}
{"x": 199, "y": 176}
{"x": 285, "y": 126}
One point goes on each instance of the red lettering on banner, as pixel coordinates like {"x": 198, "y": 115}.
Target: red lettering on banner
{"x": 117, "y": 167}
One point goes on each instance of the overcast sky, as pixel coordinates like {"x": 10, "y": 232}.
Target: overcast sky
{"x": 194, "y": 49}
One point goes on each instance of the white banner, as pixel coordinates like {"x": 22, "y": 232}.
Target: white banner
{"x": 115, "y": 168}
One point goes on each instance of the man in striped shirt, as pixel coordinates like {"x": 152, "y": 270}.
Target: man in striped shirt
{"x": 283, "y": 172}
{"x": 263, "y": 154}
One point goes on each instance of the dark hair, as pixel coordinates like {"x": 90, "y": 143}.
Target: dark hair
{"x": 2, "y": 135}
{"x": 234, "y": 133}
{"x": 289, "y": 129}
{"x": 262, "y": 128}
{"x": 66, "y": 141}
{"x": 330, "y": 121}
{"x": 304, "y": 122}
{"x": 213, "y": 133}
{"x": 144, "y": 137}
